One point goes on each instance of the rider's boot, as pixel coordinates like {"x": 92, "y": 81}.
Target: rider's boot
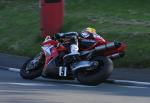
{"x": 73, "y": 55}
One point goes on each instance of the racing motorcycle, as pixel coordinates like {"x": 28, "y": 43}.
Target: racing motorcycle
{"x": 93, "y": 66}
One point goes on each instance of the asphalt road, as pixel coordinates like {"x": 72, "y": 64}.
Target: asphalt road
{"x": 14, "y": 89}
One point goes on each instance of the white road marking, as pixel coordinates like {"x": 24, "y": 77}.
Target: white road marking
{"x": 32, "y": 84}
{"x": 10, "y": 69}
{"x": 134, "y": 87}
{"x": 14, "y": 69}
{"x": 84, "y": 86}
{"x": 130, "y": 83}
{"x": 26, "y": 84}
{"x": 135, "y": 82}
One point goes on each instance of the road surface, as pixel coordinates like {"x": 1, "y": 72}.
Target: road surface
{"x": 14, "y": 89}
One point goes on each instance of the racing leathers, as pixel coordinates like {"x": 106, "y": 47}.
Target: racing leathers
{"x": 73, "y": 36}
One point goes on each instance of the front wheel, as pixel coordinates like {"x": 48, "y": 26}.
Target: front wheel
{"x": 28, "y": 71}
{"x": 97, "y": 75}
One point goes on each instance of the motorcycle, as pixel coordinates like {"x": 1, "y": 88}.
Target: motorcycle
{"x": 93, "y": 66}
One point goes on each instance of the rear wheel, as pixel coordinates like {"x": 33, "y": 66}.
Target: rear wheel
{"x": 28, "y": 71}
{"x": 98, "y": 74}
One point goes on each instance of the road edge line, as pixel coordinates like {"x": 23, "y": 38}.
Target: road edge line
{"x": 128, "y": 83}
{"x": 10, "y": 69}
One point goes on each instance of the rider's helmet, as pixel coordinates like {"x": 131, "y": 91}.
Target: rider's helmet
{"x": 88, "y": 32}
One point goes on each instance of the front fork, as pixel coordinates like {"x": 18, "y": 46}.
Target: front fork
{"x": 36, "y": 61}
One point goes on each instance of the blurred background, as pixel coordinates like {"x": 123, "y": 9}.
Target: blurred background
{"x": 122, "y": 20}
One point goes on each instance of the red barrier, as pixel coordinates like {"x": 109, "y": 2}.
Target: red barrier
{"x": 52, "y": 15}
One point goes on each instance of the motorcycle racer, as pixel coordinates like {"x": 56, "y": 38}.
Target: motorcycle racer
{"x": 87, "y": 33}
{"x": 84, "y": 56}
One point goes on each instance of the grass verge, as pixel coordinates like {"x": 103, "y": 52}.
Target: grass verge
{"x": 123, "y": 20}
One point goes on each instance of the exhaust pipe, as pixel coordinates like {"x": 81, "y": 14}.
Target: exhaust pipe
{"x": 104, "y": 47}
{"x": 108, "y": 46}
{"x": 116, "y": 55}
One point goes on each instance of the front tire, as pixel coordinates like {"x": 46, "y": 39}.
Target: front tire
{"x": 30, "y": 74}
{"x": 97, "y": 76}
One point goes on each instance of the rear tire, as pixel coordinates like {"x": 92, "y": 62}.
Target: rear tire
{"x": 97, "y": 76}
{"x": 31, "y": 74}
